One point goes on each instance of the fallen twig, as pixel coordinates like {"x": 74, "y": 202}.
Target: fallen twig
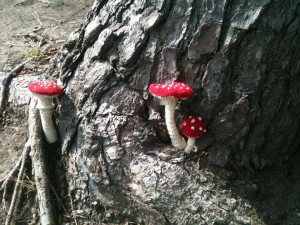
{"x": 36, "y": 16}
{"x": 15, "y": 45}
{"x": 51, "y": 18}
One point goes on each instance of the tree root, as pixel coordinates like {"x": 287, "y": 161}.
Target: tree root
{"x": 5, "y": 86}
{"x": 16, "y": 175}
{"x": 16, "y": 189}
{"x": 5, "y": 182}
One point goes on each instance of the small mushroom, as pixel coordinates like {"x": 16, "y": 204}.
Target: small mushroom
{"x": 170, "y": 93}
{"x": 193, "y": 127}
{"x": 45, "y": 91}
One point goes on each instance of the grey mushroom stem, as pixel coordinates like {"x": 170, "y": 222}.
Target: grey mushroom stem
{"x": 45, "y": 106}
{"x": 176, "y": 140}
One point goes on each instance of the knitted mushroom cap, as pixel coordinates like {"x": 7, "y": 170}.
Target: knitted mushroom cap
{"x": 45, "y": 88}
{"x": 193, "y": 127}
{"x": 176, "y": 89}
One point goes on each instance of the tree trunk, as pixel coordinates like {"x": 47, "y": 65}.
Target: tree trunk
{"x": 241, "y": 58}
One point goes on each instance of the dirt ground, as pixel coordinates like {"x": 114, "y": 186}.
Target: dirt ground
{"x": 24, "y": 23}
{"x": 37, "y": 28}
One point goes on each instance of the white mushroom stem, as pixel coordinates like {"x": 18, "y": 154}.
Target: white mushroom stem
{"x": 45, "y": 106}
{"x": 176, "y": 139}
{"x": 190, "y": 145}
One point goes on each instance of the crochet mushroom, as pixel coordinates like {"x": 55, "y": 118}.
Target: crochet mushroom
{"x": 45, "y": 91}
{"x": 193, "y": 127}
{"x": 170, "y": 93}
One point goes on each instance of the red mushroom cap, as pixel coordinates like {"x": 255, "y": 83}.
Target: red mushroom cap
{"x": 46, "y": 88}
{"x": 193, "y": 127}
{"x": 176, "y": 89}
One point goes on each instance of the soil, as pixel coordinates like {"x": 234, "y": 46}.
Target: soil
{"x": 37, "y": 29}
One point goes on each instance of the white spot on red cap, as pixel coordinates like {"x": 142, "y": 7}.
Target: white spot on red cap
{"x": 193, "y": 128}
{"x": 193, "y": 121}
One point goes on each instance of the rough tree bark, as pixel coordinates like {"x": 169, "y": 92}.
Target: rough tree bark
{"x": 241, "y": 58}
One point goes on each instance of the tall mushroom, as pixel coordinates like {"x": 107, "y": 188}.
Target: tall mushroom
{"x": 45, "y": 91}
{"x": 193, "y": 127}
{"x": 170, "y": 93}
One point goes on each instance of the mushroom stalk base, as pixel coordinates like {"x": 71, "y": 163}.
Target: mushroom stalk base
{"x": 45, "y": 107}
{"x": 190, "y": 145}
{"x": 176, "y": 140}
